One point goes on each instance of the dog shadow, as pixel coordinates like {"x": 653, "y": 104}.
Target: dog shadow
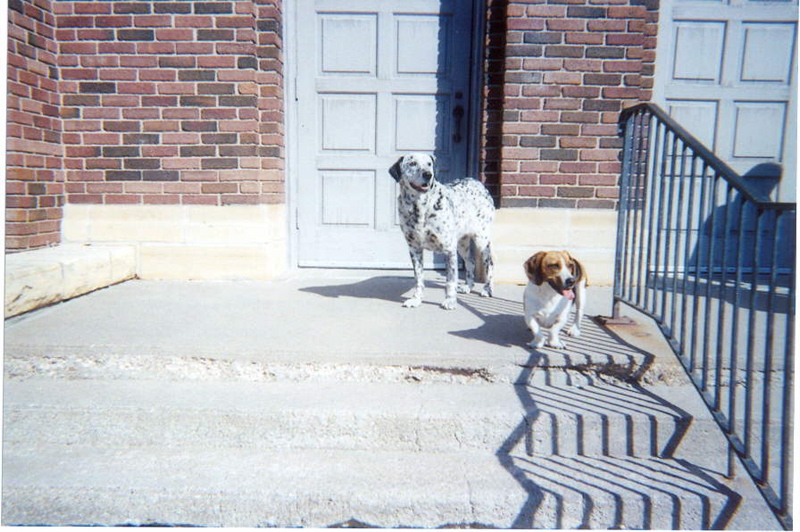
{"x": 502, "y": 321}
{"x": 392, "y": 288}
{"x": 387, "y": 288}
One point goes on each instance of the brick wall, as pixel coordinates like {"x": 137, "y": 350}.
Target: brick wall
{"x": 34, "y": 177}
{"x": 171, "y": 102}
{"x": 558, "y": 73}
{"x": 181, "y": 102}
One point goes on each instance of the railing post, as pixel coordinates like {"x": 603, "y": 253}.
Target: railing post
{"x": 626, "y": 129}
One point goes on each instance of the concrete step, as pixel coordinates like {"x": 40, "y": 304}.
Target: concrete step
{"x": 87, "y": 485}
{"x": 560, "y": 414}
{"x": 273, "y": 415}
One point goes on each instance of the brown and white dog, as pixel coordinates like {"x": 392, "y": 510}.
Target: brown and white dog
{"x": 555, "y": 280}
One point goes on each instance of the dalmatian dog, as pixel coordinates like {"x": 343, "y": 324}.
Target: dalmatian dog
{"x": 453, "y": 218}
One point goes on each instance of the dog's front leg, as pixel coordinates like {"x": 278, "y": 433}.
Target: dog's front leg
{"x": 451, "y": 282}
{"x": 580, "y": 297}
{"x": 538, "y": 334}
{"x": 553, "y": 340}
{"x": 419, "y": 277}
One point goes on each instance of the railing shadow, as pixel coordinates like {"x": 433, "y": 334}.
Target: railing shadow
{"x": 597, "y": 448}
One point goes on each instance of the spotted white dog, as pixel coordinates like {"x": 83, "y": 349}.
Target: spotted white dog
{"x": 453, "y": 218}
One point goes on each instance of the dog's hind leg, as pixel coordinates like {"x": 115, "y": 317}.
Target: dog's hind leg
{"x": 449, "y": 302}
{"x": 419, "y": 276}
{"x": 465, "y": 252}
{"x": 487, "y": 263}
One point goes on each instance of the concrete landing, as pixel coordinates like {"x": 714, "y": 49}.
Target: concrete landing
{"x": 318, "y": 400}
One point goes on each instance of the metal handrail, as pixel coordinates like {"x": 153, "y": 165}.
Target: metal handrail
{"x": 699, "y": 250}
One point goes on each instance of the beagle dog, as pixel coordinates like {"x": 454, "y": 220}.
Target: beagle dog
{"x": 555, "y": 280}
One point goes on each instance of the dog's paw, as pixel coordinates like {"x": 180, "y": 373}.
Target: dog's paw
{"x": 556, "y": 343}
{"x": 413, "y": 302}
{"x": 449, "y": 303}
{"x": 486, "y": 292}
{"x": 464, "y": 289}
{"x": 574, "y": 331}
{"x": 537, "y": 342}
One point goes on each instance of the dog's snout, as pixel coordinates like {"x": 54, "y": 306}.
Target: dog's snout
{"x": 427, "y": 175}
{"x": 570, "y": 282}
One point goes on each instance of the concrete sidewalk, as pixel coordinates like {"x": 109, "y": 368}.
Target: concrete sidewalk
{"x": 318, "y": 400}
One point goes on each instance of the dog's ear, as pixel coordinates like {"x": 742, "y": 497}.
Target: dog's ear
{"x": 433, "y": 160}
{"x": 577, "y": 269}
{"x": 394, "y": 171}
{"x": 533, "y": 268}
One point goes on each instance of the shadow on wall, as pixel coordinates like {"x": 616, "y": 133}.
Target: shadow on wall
{"x": 736, "y": 233}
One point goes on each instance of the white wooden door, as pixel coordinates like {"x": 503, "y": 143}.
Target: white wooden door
{"x": 374, "y": 79}
{"x": 726, "y": 70}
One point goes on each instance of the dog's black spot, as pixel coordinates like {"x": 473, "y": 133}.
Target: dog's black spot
{"x": 438, "y": 205}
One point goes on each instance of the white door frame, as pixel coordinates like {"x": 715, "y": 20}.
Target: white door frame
{"x": 292, "y": 134}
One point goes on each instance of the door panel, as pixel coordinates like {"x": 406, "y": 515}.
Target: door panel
{"x": 726, "y": 72}
{"x": 375, "y": 79}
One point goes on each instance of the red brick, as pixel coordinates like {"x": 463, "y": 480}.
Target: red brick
{"x": 175, "y": 35}
{"x": 128, "y": 199}
{"x": 546, "y": 11}
{"x": 625, "y": 12}
{"x": 157, "y": 75}
{"x": 189, "y": 21}
{"x": 136, "y": 88}
{"x": 116, "y": 21}
{"x": 97, "y": 8}
{"x": 152, "y": 21}
{"x": 161, "y": 199}
{"x": 199, "y": 200}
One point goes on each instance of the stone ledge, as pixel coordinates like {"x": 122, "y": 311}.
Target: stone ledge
{"x": 46, "y": 276}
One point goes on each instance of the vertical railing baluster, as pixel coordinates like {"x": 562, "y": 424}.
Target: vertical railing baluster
{"x": 688, "y": 257}
{"x": 751, "y": 330}
{"x": 707, "y": 334}
{"x": 701, "y": 216}
{"x": 641, "y": 189}
{"x": 736, "y": 318}
{"x": 787, "y": 397}
{"x": 678, "y": 322}
{"x": 633, "y": 169}
{"x": 638, "y": 220}
{"x": 620, "y": 266}
{"x": 660, "y": 219}
{"x": 769, "y": 335}
{"x": 652, "y": 190}
{"x": 668, "y": 230}
{"x": 723, "y": 293}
